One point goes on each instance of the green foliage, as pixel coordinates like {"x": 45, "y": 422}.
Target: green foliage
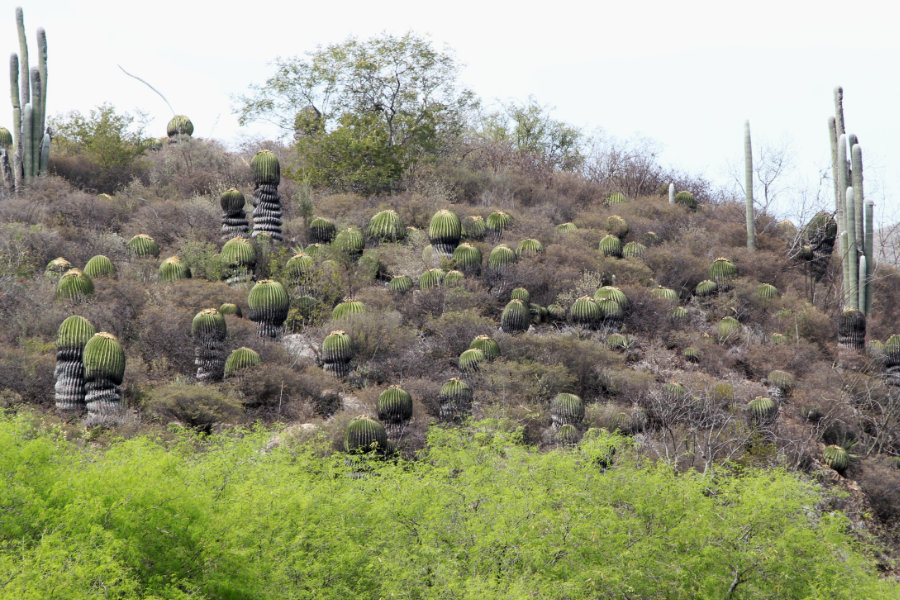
{"x": 686, "y": 199}
{"x": 194, "y": 405}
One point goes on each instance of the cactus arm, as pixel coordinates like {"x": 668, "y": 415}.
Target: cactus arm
{"x": 37, "y": 132}
{"x": 851, "y": 292}
{"x": 842, "y": 181}
{"x": 17, "y": 119}
{"x": 839, "y": 110}
{"x": 45, "y": 155}
{"x": 845, "y": 263}
{"x": 748, "y": 186}
{"x": 23, "y": 53}
{"x": 859, "y": 198}
{"x": 868, "y": 250}
{"x": 861, "y": 286}
{"x": 42, "y": 67}
{"x": 671, "y": 193}
{"x": 27, "y": 151}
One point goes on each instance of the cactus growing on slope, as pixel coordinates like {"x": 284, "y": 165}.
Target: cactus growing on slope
{"x": 515, "y": 317}
{"x": 395, "y": 409}
{"x": 365, "y": 434}
{"x": 269, "y": 304}
{"x": 611, "y": 245}
{"x": 500, "y": 258}
{"x": 401, "y": 284}
{"x": 336, "y": 353}
{"x": 238, "y": 256}
{"x": 56, "y": 267}
{"x": 99, "y": 266}
{"x": 266, "y": 177}
{"x": 241, "y": 358}
{"x": 209, "y": 331}
{"x": 566, "y": 409}
{"x": 748, "y": 187}
{"x": 723, "y": 272}
{"x": 73, "y": 333}
{"x": 321, "y": 231}
{"x": 386, "y": 226}
{"x": 234, "y": 219}
{"x": 468, "y": 258}
{"x": 174, "y": 269}
{"x": 179, "y": 128}
{"x": 142, "y": 245}
{"x": 487, "y": 345}
{"x": 455, "y": 399}
{"x": 74, "y": 286}
{"x": 496, "y": 223}
{"x": 104, "y": 368}
{"x": 445, "y": 231}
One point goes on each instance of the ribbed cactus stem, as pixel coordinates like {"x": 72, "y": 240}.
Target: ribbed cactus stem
{"x": 869, "y": 250}
{"x": 842, "y": 183}
{"x": 104, "y": 367}
{"x": 17, "y": 120}
{"x": 839, "y": 109}
{"x": 856, "y": 180}
{"x": 42, "y": 68}
{"x": 27, "y": 149}
{"x": 73, "y": 334}
{"x": 23, "y": 54}
{"x": 861, "y": 284}
{"x": 833, "y": 140}
{"x": 851, "y": 293}
{"x": 748, "y": 186}
{"x": 671, "y": 193}
{"x": 37, "y": 120}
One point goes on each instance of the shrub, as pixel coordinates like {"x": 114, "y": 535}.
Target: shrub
{"x": 199, "y": 406}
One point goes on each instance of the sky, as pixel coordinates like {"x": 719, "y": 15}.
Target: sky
{"x": 684, "y": 75}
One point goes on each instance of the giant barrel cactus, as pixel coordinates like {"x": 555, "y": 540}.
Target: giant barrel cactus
{"x": 142, "y": 245}
{"x": 852, "y": 330}
{"x": 321, "y": 231}
{"x": 74, "y": 286}
{"x": 269, "y": 304}
{"x": 487, "y": 345}
{"x": 174, "y": 269}
{"x": 266, "y": 177}
{"x": 350, "y": 242}
{"x": 234, "y": 219}
{"x": 386, "y": 226}
{"x": 401, "y": 284}
{"x": 364, "y": 434}
{"x": 892, "y": 360}
{"x": 395, "y": 409}
{"x": 99, "y": 266}
{"x": 468, "y": 258}
{"x": 347, "y": 308}
{"x": 455, "y": 400}
{"x": 104, "y": 368}
{"x": 56, "y": 267}
{"x": 780, "y": 384}
{"x": 686, "y": 199}
{"x": 445, "y": 231}
{"x": 585, "y": 311}
{"x": 179, "y": 128}
{"x": 529, "y": 247}
{"x": 73, "y": 333}
{"x": 566, "y": 436}
{"x": 241, "y": 358}
{"x": 515, "y": 317}
{"x": 617, "y": 226}
{"x": 337, "y": 353}
{"x": 610, "y": 245}
{"x": 238, "y": 256}
{"x": 722, "y": 271}
{"x": 762, "y": 410}
{"x": 209, "y": 331}
{"x": 299, "y": 271}
{"x": 430, "y": 279}
{"x": 500, "y": 258}
{"x": 837, "y": 458}
{"x": 566, "y": 409}
{"x": 498, "y": 222}
{"x": 470, "y": 359}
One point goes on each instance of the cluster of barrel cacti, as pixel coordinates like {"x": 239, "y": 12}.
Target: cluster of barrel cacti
{"x": 267, "y": 201}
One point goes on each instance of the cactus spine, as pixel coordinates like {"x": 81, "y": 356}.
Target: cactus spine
{"x": 748, "y": 187}
{"x": 74, "y": 332}
{"x": 104, "y": 368}
{"x": 266, "y": 177}
{"x": 209, "y": 331}
{"x": 28, "y": 92}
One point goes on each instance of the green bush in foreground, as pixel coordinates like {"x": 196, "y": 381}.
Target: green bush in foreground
{"x": 479, "y": 516}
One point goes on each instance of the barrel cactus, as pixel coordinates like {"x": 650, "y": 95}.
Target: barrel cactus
{"x": 269, "y": 304}
{"x": 395, "y": 409}
{"x": 467, "y": 258}
{"x": 430, "y": 279}
{"x": 566, "y": 409}
{"x": 836, "y": 457}
{"x": 766, "y": 292}
{"x": 74, "y": 286}
{"x": 520, "y": 293}
{"x": 321, "y": 231}
{"x": 56, "y": 267}
{"x": 566, "y": 227}
{"x": 617, "y": 226}
{"x": 679, "y": 313}
{"x": 728, "y": 329}
{"x": 529, "y": 247}
{"x": 266, "y": 176}
{"x": 455, "y": 399}
{"x": 609, "y": 292}
{"x": 515, "y": 317}
{"x": 234, "y": 219}
{"x": 386, "y": 226}
{"x": 445, "y": 231}
{"x": 104, "y": 368}
{"x": 365, "y": 434}
{"x": 474, "y": 227}
{"x": 73, "y": 333}
{"x": 238, "y": 256}
{"x": 179, "y": 127}
{"x": 142, "y": 245}
{"x": 299, "y": 271}
{"x": 722, "y": 271}
{"x": 400, "y": 284}
{"x": 610, "y": 311}
{"x": 707, "y": 287}
{"x": 585, "y": 311}
{"x": 350, "y": 242}
{"x": 229, "y": 308}
{"x": 780, "y": 384}
{"x": 616, "y": 198}
{"x": 852, "y": 330}
{"x": 686, "y": 199}
{"x": 762, "y": 410}
{"x": 610, "y": 245}
{"x": 239, "y": 359}
{"x": 173, "y": 269}
{"x": 347, "y": 308}
{"x": 891, "y": 353}
{"x": 667, "y": 294}
{"x": 634, "y": 250}
{"x": 470, "y": 359}
{"x": 453, "y": 278}
{"x": 487, "y": 345}
{"x": 496, "y": 223}
{"x": 566, "y": 436}
{"x": 337, "y": 353}
{"x": 617, "y": 341}
{"x": 500, "y": 258}
{"x": 556, "y": 312}
{"x": 674, "y": 391}
{"x": 209, "y": 331}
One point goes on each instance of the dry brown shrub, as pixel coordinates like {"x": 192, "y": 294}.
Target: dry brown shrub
{"x": 879, "y": 478}
{"x": 451, "y": 333}
{"x": 29, "y": 372}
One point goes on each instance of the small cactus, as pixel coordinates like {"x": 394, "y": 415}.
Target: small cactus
{"x": 234, "y": 219}
{"x": 634, "y": 250}
{"x": 529, "y": 247}
{"x": 500, "y": 258}
{"x": 467, "y": 258}
{"x": 430, "y": 279}
{"x": 445, "y": 231}
{"x": 762, "y": 410}
{"x": 104, "y": 368}
{"x": 56, "y": 267}
{"x": 728, "y": 329}
{"x": 469, "y": 359}
{"x": 616, "y": 198}
{"x": 299, "y": 269}
{"x": 350, "y": 241}
{"x": 679, "y": 313}
{"x": 674, "y": 391}
{"x": 691, "y": 354}
{"x": 142, "y": 245}
{"x": 766, "y": 291}
{"x": 209, "y": 331}
{"x": 455, "y": 399}
{"x": 401, "y": 284}
{"x": 610, "y": 310}
{"x": 836, "y": 457}
{"x": 617, "y": 341}
{"x": 74, "y": 286}
{"x": 566, "y": 409}
{"x": 686, "y": 199}
{"x": 239, "y": 359}
{"x": 386, "y": 226}
{"x": 364, "y": 434}
{"x": 453, "y": 278}
{"x": 515, "y": 317}
{"x": 566, "y": 227}
{"x": 705, "y": 288}
{"x": 173, "y": 269}
{"x": 487, "y": 345}
{"x": 780, "y": 384}
{"x": 321, "y": 231}
{"x": 71, "y": 337}
{"x": 722, "y": 271}
{"x": 269, "y": 304}
{"x": 664, "y": 293}
{"x": 520, "y": 293}
{"x": 610, "y": 245}
{"x": 567, "y": 436}
{"x": 498, "y": 222}
{"x": 179, "y": 126}
{"x": 229, "y": 308}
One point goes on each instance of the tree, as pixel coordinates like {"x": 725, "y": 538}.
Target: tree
{"x": 394, "y": 97}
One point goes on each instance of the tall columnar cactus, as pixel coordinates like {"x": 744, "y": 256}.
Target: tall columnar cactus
{"x": 179, "y": 128}
{"x": 269, "y": 304}
{"x": 100, "y": 266}
{"x": 238, "y": 256}
{"x": 498, "y": 222}
{"x": 445, "y": 231}
{"x": 28, "y": 91}
{"x": 321, "y": 231}
{"x": 142, "y": 245}
{"x": 748, "y": 187}
{"x": 487, "y": 345}
{"x": 515, "y": 317}
{"x": 455, "y": 400}
{"x": 671, "y": 193}
{"x": 234, "y": 219}
{"x": 395, "y": 409}
{"x": 104, "y": 368}
{"x": 566, "y": 409}
{"x": 209, "y": 331}
{"x": 386, "y": 226}
{"x": 266, "y": 177}
{"x": 73, "y": 333}
{"x": 365, "y": 434}
{"x": 74, "y": 286}
{"x": 239, "y": 359}
{"x": 337, "y": 353}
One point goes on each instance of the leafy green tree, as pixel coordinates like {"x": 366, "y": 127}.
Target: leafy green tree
{"x": 364, "y": 111}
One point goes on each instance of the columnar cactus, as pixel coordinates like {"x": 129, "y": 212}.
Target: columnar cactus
{"x": 266, "y": 177}
{"x": 748, "y": 187}
{"x": 365, "y": 434}
{"x": 500, "y": 258}
{"x": 73, "y": 333}
{"x": 474, "y": 227}
{"x": 395, "y": 409}
{"x": 99, "y": 266}
{"x": 209, "y": 331}
{"x": 611, "y": 245}
{"x": 269, "y": 304}
{"x": 515, "y": 317}
{"x": 852, "y": 330}
{"x": 529, "y": 247}
{"x": 142, "y": 245}
{"x": 104, "y": 368}
{"x": 468, "y": 258}
{"x": 174, "y": 269}
{"x": 723, "y": 272}
{"x": 234, "y": 219}
{"x": 238, "y": 256}
{"x": 321, "y": 231}
{"x": 337, "y": 353}
{"x": 179, "y": 128}
{"x": 56, "y": 267}
{"x": 239, "y": 359}
{"x": 455, "y": 400}
{"x": 487, "y": 345}
{"x": 7, "y": 179}
{"x": 386, "y": 226}
{"x": 566, "y": 409}
{"x": 74, "y": 286}
{"x": 445, "y": 231}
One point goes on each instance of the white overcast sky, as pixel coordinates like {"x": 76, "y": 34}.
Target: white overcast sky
{"x": 684, "y": 74}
